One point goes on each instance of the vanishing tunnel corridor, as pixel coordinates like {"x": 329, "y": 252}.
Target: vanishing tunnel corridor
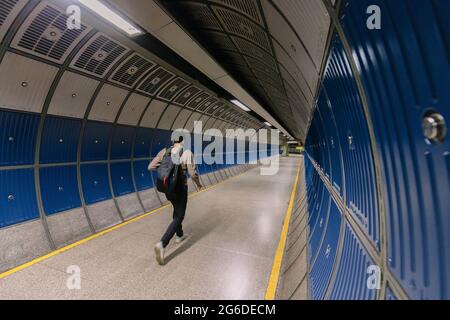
{"x": 347, "y": 101}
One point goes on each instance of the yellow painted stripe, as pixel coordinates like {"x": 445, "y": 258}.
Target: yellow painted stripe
{"x": 276, "y": 268}
{"x": 99, "y": 234}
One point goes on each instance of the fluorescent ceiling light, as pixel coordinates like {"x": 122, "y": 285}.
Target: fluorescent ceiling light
{"x": 108, "y": 14}
{"x": 240, "y": 105}
{"x": 267, "y": 124}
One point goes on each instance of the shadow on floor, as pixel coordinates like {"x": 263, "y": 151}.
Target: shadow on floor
{"x": 176, "y": 250}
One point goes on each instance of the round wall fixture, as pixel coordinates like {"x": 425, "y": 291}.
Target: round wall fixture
{"x": 434, "y": 127}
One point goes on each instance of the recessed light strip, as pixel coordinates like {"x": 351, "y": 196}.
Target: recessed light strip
{"x": 240, "y": 105}
{"x": 108, "y": 14}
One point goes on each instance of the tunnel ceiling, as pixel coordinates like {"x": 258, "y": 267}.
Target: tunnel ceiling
{"x": 95, "y": 73}
{"x": 274, "y": 49}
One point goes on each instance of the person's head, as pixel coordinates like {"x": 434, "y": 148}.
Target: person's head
{"x": 178, "y": 140}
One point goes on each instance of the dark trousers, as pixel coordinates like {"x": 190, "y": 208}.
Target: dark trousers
{"x": 179, "y": 202}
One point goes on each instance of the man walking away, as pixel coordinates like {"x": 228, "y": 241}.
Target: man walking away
{"x": 179, "y": 196}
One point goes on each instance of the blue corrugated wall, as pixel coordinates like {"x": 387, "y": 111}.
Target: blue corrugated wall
{"x": 404, "y": 72}
{"x": 102, "y": 146}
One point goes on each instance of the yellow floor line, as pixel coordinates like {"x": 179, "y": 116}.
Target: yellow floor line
{"x": 99, "y": 234}
{"x": 275, "y": 274}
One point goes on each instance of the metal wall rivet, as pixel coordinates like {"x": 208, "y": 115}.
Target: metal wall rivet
{"x": 11, "y": 198}
{"x": 24, "y": 84}
{"x": 434, "y": 127}
{"x": 11, "y": 139}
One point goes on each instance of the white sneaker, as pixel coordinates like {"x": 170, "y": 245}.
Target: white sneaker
{"x": 159, "y": 253}
{"x": 179, "y": 240}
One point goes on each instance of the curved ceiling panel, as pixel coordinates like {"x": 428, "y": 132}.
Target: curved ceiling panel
{"x": 24, "y": 82}
{"x": 153, "y": 114}
{"x": 72, "y": 96}
{"x": 264, "y": 45}
{"x": 168, "y": 118}
{"x": 133, "y": 109}
{"x": 108, "y": 103}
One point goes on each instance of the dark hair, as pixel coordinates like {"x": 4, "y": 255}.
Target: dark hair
{"x": 179, "y": 139}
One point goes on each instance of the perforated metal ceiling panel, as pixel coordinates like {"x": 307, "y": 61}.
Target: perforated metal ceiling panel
{"x": 169, "y": 92}
{"x": 133, "y": 109}
{"x": 24, "y": 83}
{"x": 207, "y": 103}
{"x": 99, "y": 55}
{"x": 155, "y": 81}
{"x": 132, "y": 70}
{"x": 9, "y": 9}
{"x": 108, "y": 103}
{"x": 45, "y": 34}
{"x": 187, "y": 95}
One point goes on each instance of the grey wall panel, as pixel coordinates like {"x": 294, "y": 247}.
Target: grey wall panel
{"x": 103, "y": 215}
{"x": 181, "y": 119}
{"x": 163, "y": 198}
{"x": 72, "y": 96}
{"x": 212, "y": 178}
{"x": 133, "y": 109}
{"x": 205, "y": 180}
{"x": 149, "y": 199}
{"x": 168, "y": 118}
{"x": 190, "y": 123}
{"x": 294, "y": 275}
{"x": 129, "y": 205}
{"x": 68, "y": 227}
{"x": 107, "y": 103}
{"x": 153, "y": 114}
{"x": 24, "y": 83}
{"x": 191, "y": 186}
{"x": 22, "y": 243}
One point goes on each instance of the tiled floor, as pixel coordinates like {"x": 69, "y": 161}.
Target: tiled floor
{"x": 233, "y": 230}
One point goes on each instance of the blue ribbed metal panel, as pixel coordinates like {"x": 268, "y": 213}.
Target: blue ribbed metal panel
{"x": 59, "y": 188}
{"x": 60, "y": 140}
{"x": 96, "y": 141}
{"x": 332, "y": 140}
{"x": 121, "y": 178}
{"x": 351, "y": 279}
{"x": 318, "y": 224}
{"x": 360, "y": 182}
{"x": 122, "y": 142}
{"x": 17, "y": 197}
{"x": 17, "y": 138}
{"x": 142, "y": 175}
{"x": 323, "y": 266}
{"x": 143, "y": 142}
{"x": 405, "y": 71}
{"x": 94, "y": 178}
{"x": 390, "y": 294}
{"x": 161, "y": 139}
